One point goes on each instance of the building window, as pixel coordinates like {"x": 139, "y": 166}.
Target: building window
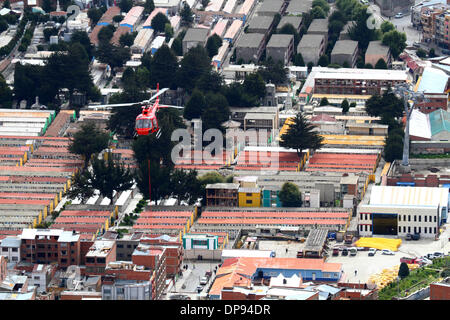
{"x": 425, "y": 218}
{"x": 415, "y": 218}
{"x": 399, "y": 217}
{"x": 435, "y": 220}
{"x": 409, "y": 218}
{"x": 420, "y": 219}
{"x": 120, "y": 246}
{"x": 4, "y": 249}
{"x": 420, "y": 229}
{"x": 249, "y": 201}
{"x": 435, "y": 229}
{"x": 14, "y": 249}
{"x": 409, "y": 229}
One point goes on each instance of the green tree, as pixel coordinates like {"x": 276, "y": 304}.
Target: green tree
{"x": 185, "y": 186}
{"x": 387, "y": 104}
{"x": 187, "y": 16}
{"x": 94, "y": 14}
{"x": 345, "y": 106}
{"x": 216, "y": 111}
{"x": 290, "y": 29}
{"x": 323, "y": 61}
{"x": 118, "y": 18}
{"x": 89, "y": 140}
{"x": 324, "y": 101}
{"x": 386, "y": 26}
{"x": 322, "y": 4}
{"x": 82, "y": 38}
{"x": 368, "y": 66}
{"x": 360, "y": 32}
{"x": 403, "y": 271}
{"x": 396, "y": 41}
{"x": 47, "y": 6}
{"x": 273, "y": 72}
{"x": 149, "y": 6}
{"x": 125, "y": 5}
{"x": 168, "y": 31}
{"x": 163, "y": 67}
{"x": 204, "y": 3}
{"x": 195, "y": 105}
{"x": 318, "y": 13}
{"x": 194, "y": 64}
{"x": 298, "y": 60}
{"x": 381, "y": 64}
{"x": 290, "y": 195}
{"x": 7, "y": 4}
{"x": 254, "y": 85}
{"x": 5, "y": 94}
{"x": 431, "y": 53}
{"x": 421, "y": 53}
{"x": 106, "y": 33}
{"x": 127, "y": 39}
{"x": 159, "y": 22}
{"x": 213, "y": 44}
{"x": 301, "y": 136}
{"x": 105, "y": 176}
{"x": 210, "y": 81}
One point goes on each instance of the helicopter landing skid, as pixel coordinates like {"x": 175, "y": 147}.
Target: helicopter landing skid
{"x": 158, "y": 134}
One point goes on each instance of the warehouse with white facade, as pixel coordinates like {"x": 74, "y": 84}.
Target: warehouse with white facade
{"x": 397, "y": 211}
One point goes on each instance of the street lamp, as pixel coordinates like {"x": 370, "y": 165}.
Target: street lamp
{"x": 405, "y": 91}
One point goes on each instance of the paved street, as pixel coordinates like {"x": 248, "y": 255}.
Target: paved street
{"x": 367, "y": 266}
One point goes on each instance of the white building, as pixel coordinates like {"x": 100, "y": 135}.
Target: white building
{"x": 398, "y": 211}
{"x": 127, "y": 290}
{"x": 10, "y": 249}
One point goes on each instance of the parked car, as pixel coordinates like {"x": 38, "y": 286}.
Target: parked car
{"x": 203, "y": 280}
{"x": 387, "y": 252}
{"x": 345, "y": 252}
{"x": 335, "y": 252}
{"x": 179, "y": 297}
{"x": 438, "y": 254}
{"x": 399, "y": 15}
{"x": 353, "y": 251}
{"x": 372, "y": 252}
{"x": 445, "y": 51}
{"x": 199, "y": 289}
{"x": 423, "y": 261}
{"x": 416, "y": 44}
{"x": 415, "y": 236}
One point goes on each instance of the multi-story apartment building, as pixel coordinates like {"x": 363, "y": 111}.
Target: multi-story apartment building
{"x": 48, "y": 246}
{"x": 101, "y": 253}
{"x": 363, "y": 83}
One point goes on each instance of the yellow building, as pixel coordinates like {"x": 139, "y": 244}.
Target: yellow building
{"x": 249, "y": 193}
{"x": 249, "y": 197}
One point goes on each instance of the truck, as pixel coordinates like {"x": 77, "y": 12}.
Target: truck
{"x": 348, "y": 239}
{"x": 408, "y": 260}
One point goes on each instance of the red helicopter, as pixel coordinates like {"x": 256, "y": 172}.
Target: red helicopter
{"x": 146, "y": 122}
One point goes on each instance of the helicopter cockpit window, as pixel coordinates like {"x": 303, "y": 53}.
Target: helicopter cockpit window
{"x": 147, "y": 123}
{"x": 154, "y": 124}
{"x": 139, "y": 124}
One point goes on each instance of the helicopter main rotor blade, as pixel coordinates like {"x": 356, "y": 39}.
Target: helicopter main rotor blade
{"x": 156, "y": 95}
{"x": 175, "y": 107}
{"x": 104, "y": 106}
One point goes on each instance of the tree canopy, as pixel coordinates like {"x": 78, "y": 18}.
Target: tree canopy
{"x": 159, "y": 22}
{"x": 396, "y": 41}
{"x": 87, "y": 141}
{"x": 300, "y": 136}
{"x": 106, "y": 176}
{"x": 290, "y": 195}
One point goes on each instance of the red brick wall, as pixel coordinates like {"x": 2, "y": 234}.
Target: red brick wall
{"x": 439, "y": 292}
{"x": 130, "y": 274}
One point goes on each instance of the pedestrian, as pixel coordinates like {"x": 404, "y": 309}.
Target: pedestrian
{"x": 356, "y": 272}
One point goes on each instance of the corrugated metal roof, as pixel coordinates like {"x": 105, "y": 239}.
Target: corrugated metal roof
{"x": 393, "y": 195}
